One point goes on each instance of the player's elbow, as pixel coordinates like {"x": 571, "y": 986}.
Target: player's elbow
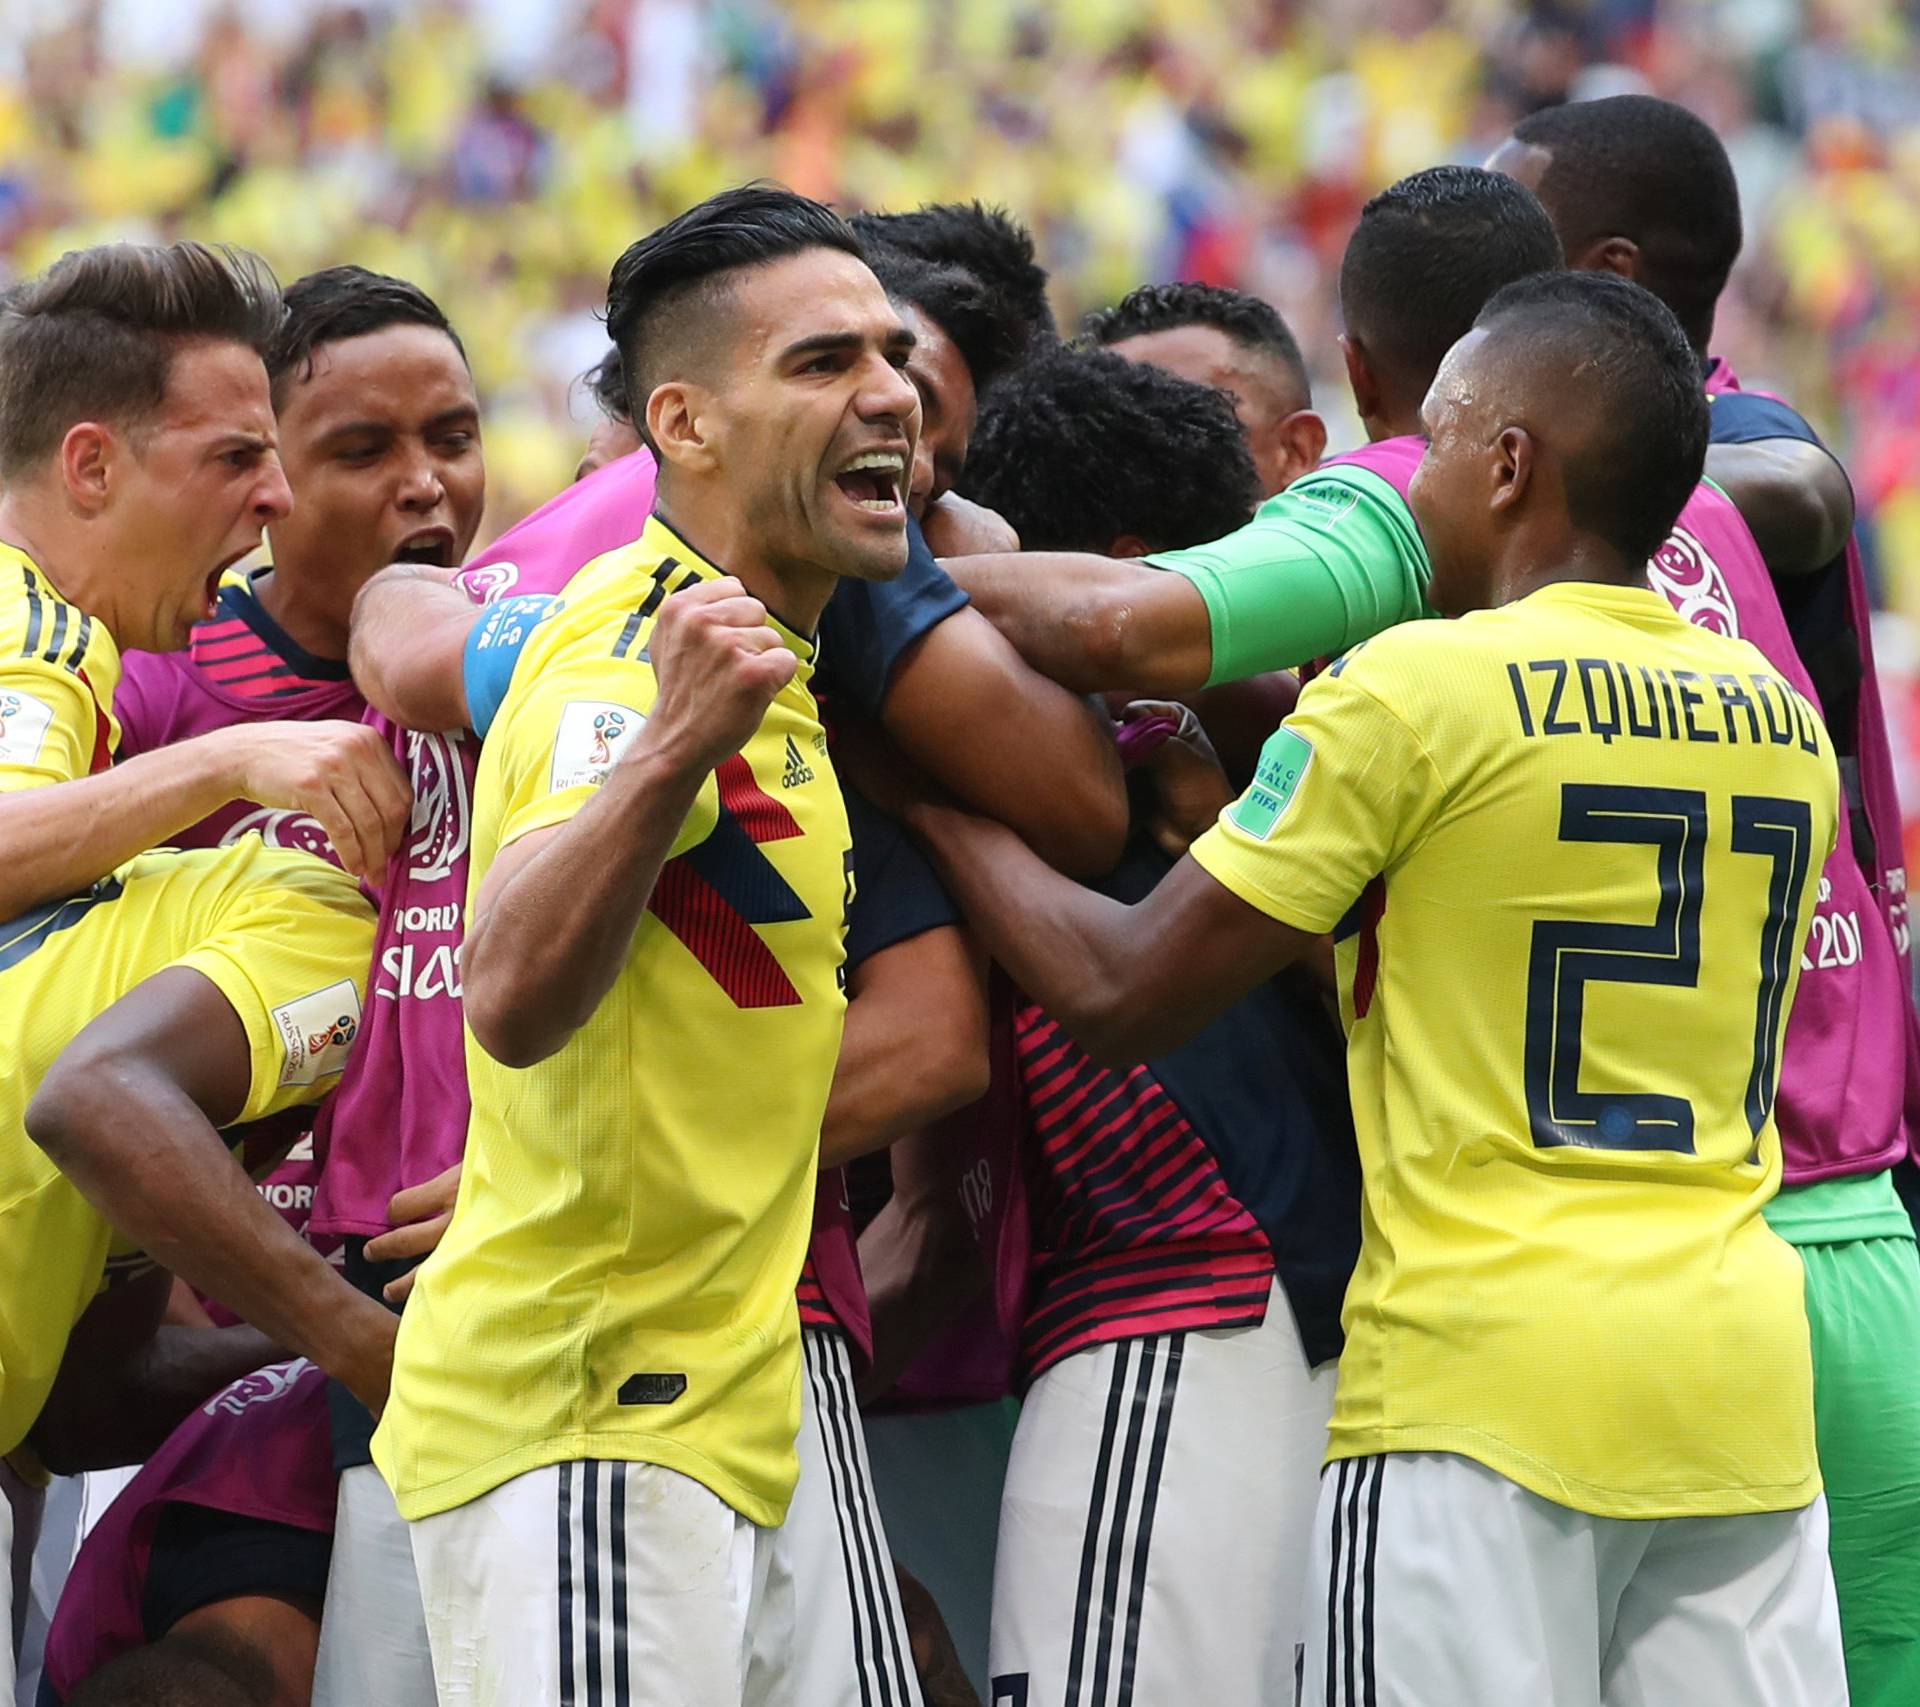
{"x": 85, "y": 1098}
{"x": 514, "y": 1032}
{"x": 1114, "y": 1027}
{"x": 1117, "y": 632}
{"x": 1081, "y": 826}
{"x": 953, "y": 1068}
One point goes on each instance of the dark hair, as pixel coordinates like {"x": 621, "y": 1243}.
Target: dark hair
{"x": 682, "y": 265}
{"x": 181, "y": 1671}
{"x": 988, "y": 241}
{"x": 1623, "y": 352}
{"x": 346, "y": 302}
{"x": 988, "y": 335}
{"x": 1078, "y": 447}
{"x": 606, "y": 380}
{"x": 1428, "y": 253}
{"x": 1636, "y": 167}
{"x": 95, "y": 336}
{"x": 1248, "y": 320}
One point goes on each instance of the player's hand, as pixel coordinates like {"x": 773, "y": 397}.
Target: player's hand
{"x": 719, "y": 666}
{"x": 420, "y": 1215}
{"x": 342, "y": 775}
{"x": 1189, "y": 783}
{"x": 958, "y": 527}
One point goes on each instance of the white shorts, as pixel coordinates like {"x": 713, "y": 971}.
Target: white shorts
{"x": 1435, "y": 1580}
{"x": 850, "y": 1636}
{"x": 600, "y": 1584}
{"x": 1158, "y": 1509}
{"x": 373, "y": 1633}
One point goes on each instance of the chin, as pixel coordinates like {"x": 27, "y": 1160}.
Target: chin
{"x": 871, "y": 562}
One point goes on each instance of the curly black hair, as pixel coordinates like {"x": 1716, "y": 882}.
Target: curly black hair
{"x": 1249, "y": 320}
{"x": 606, "y": 383}
{"x": 988, "y": 241}
{"x": 1078, "y": 448}
{"x": 986, "y": 331}
{"x": 345, "y": 302}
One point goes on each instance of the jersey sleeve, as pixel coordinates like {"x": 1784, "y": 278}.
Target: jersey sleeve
{"x": 50, "y": 726}
{"x": 1746, "y": 417}
{"x": 492, "y": 650}
{"x": 869, "y": 625}
{"x": 1344, "y": 788}
{"x": 558, "y": 736}
{"x": 1329, "y": 562}
{"x": 896, "y": 895}
{"x": 291, "y": 957}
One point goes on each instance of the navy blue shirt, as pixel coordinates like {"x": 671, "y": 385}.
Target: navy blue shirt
{"x": 869, "y": 626}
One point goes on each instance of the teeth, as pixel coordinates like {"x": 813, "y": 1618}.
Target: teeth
{"x": 891, "y": 460}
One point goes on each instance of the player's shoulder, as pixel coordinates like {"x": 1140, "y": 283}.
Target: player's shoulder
{"x": 39, "y": 627}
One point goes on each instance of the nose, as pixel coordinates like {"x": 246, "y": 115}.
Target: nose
{"x": 889, "y": 395}
{"x": 420, "y": 485}
{"x": 273, "y": 497}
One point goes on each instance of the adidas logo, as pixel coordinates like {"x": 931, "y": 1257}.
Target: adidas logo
{"x": 798, "y": 770}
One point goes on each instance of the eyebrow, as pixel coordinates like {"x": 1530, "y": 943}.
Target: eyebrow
{"x": 446, "y": 417}
{"x": 825, "y": 343}
{"x": 227, "y": 442}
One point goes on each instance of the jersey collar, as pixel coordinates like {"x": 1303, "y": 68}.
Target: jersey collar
{"x": 660, "y": 538}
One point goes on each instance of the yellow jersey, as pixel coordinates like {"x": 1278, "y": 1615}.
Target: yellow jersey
{"x": 618, "y": 1278}
{"x": 58, "y": 670}
{"x": 1569, "y": 849}
{"x": 284, "y": 937}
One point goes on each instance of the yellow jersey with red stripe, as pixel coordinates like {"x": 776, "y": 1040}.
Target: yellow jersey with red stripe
{"x": 618, "y": 1278}
{"x": 1570, "y": 848}
{"x": 58, "y": 671}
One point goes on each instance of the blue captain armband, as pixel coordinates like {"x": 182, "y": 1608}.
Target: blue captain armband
{"x": 493, "y": 648}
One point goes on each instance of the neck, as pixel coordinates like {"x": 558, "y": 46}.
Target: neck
{"x": 1530, "y": 564}
{"x": 795, "y": 592}
{"x": 78, "y": 563}
{"x": 310, "y": 613}
{"x": 1395, "y": 417}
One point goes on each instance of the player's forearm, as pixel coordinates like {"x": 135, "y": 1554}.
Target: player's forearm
{"x": 1066, "y": 946}
{"x": 121, "y": 1410}
{"x": 1794, "y": 497}
{"x": 407, "y": 649}
{"x": 543, "y": 951}
{"x": 58, "y": 840}
{"x": 144, "y": 1155}
{"x": 922, "y": 1268}
{"x": 1094, "y": 623}
{"x": 915, "y": 1045}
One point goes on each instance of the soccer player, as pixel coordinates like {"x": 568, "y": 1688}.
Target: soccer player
{"x": 1195, "y": 1217}
{"x": 1569, "y": 1315}
{"x": 379, "y": 434}
{"x": 984, "y": 240}
{"x": 1237, "y": 342}
{"x": 605, "y": 1348}
{"x": 1643, "y": 187}
{"x": 137, "y": 455}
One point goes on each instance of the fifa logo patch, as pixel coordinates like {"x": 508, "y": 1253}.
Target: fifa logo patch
{"x": 24, "y": 722}
{"x": 316, "y": 1032}
{"x": 1283, "y": 763}
{"x": 593, "y": 734}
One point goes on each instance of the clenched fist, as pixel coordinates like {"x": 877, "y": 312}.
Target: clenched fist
{"x": 342, "y": 775}
{"x": 719, "y": 666}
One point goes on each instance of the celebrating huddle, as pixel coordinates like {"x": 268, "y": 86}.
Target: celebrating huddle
{"x": 847, "y": 913}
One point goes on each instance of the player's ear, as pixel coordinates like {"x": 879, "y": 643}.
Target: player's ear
{"x": 679, "y": 426}
{"x": 1609, "y": 255}
{"x": 1303, "y": 441}
{"x": 1513, "y": 458}
{"x": 87, "y": 457}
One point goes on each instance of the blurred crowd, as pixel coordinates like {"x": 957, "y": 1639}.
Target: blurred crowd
{"x": 502, "y": 151}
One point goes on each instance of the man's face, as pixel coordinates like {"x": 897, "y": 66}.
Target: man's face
{"x": 949, "y": 408}
{"x": 198, "y": 481}
{"x": 1264, "y": 396}
{"x": 382, "y": 444}
{"x": 1451, "y": 491}
{"x": 811, "y": 418}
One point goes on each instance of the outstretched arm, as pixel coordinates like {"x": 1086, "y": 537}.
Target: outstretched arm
{"x": 1793, "y": 495}
{"x": 1010, "y": 742}
{"x": 128, "y": 1113}
{"x": 1127, "y": 982}
{"x": 407, "y": 646}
